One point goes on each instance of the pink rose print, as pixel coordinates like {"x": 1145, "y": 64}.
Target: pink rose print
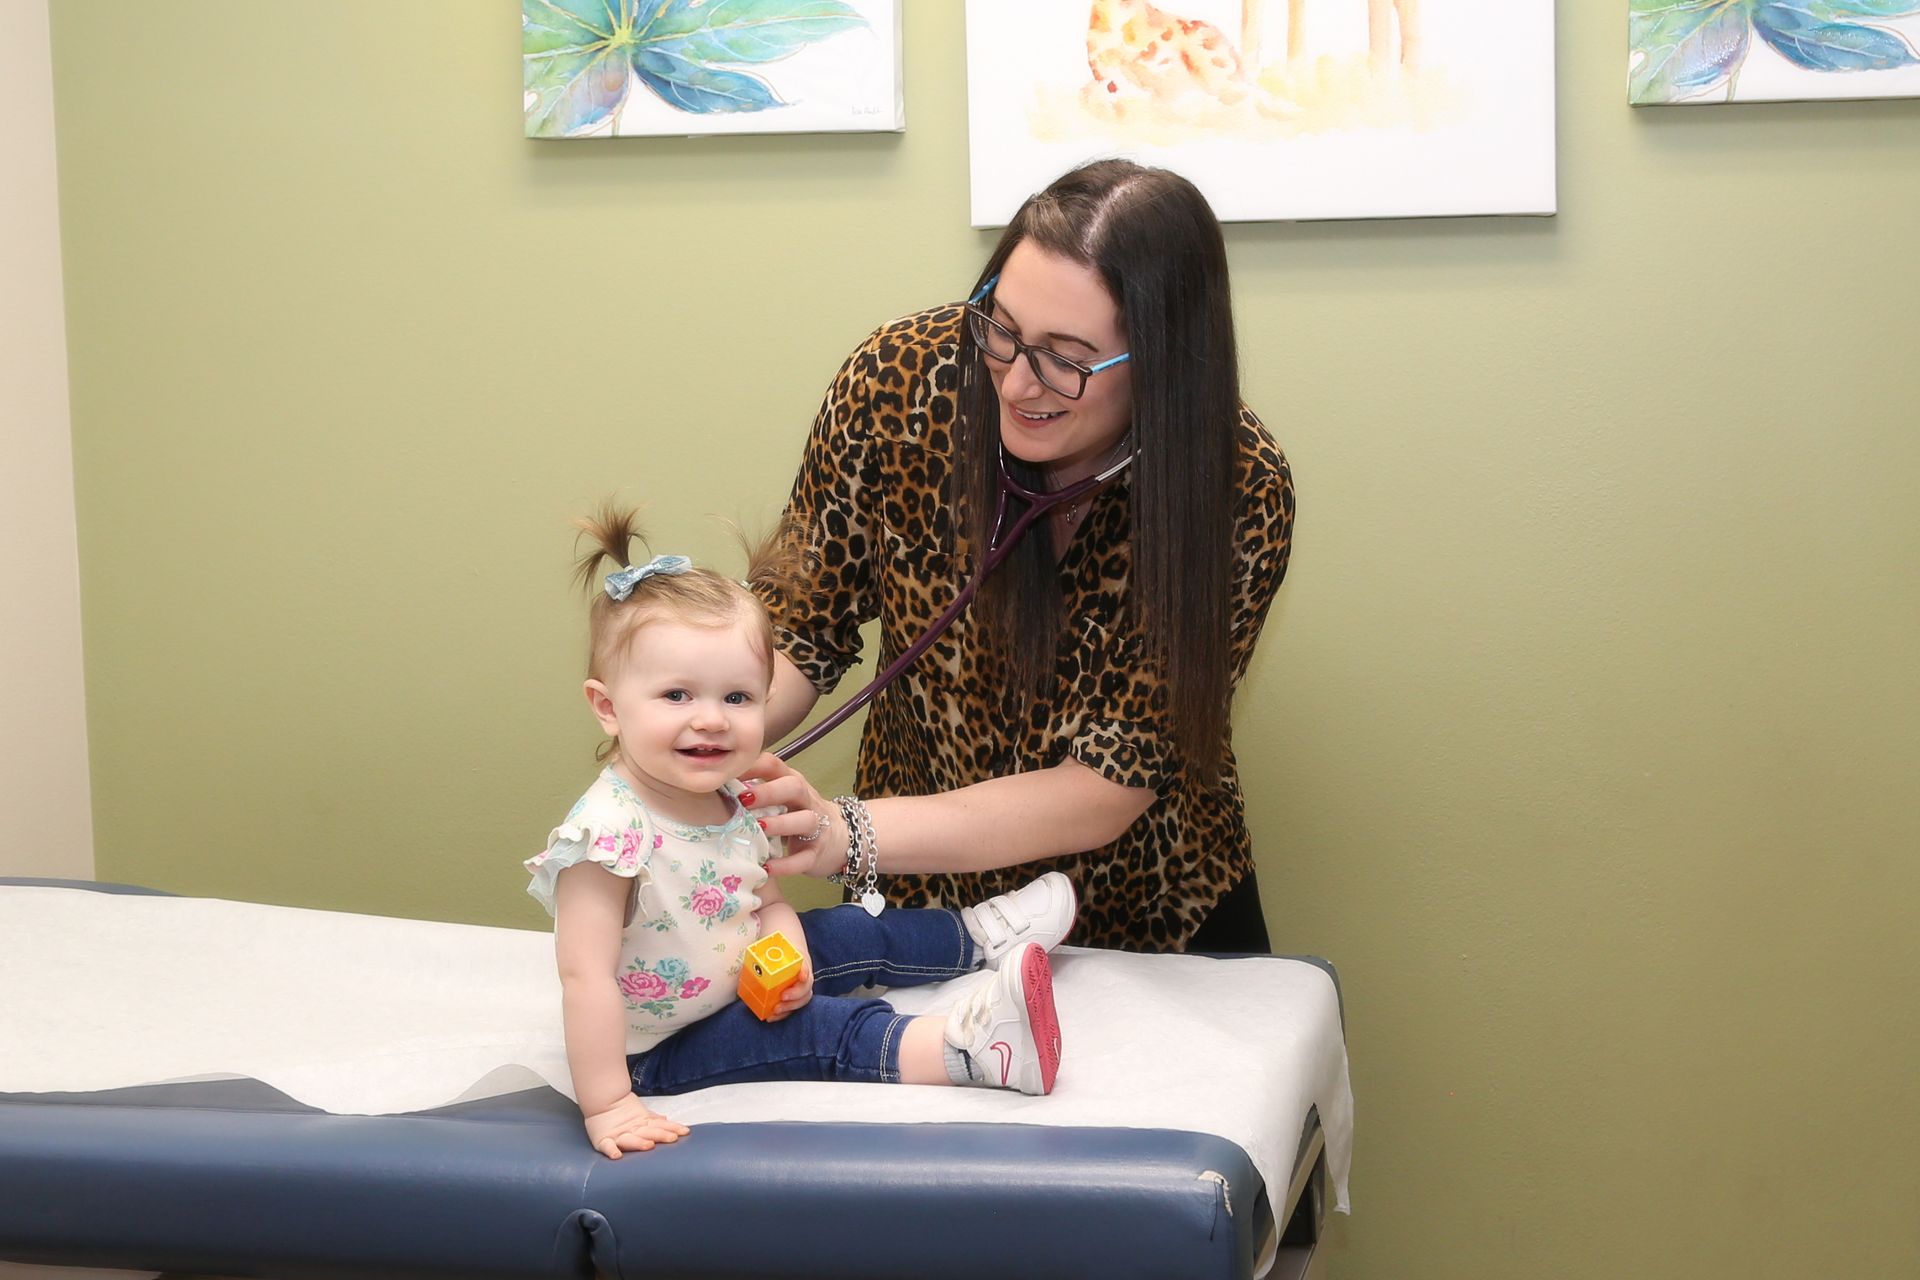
{"x": 629, "y": 850}
{"x": 641, "y": 985}
{"x": 730, "y": 883}
{"x": 693, "y": 987}
{"x": 658, "y": 840}
{"x": 707, "y": 900}
{"x": 605, "y": 842}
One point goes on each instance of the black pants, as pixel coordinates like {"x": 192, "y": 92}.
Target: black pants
{"x": 1237, "y": 924}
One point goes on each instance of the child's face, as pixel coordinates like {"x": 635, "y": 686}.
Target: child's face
{"x": 689, "y": 706}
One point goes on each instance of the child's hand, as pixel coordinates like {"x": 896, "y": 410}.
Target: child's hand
{"x": 630, "y": 1125}
{"x": 796, "y": 995}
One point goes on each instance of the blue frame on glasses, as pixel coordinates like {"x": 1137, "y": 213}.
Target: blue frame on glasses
{"x": 1026, "y": 348}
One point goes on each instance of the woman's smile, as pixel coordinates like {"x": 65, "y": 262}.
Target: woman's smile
{"x": 1061, "y": 305}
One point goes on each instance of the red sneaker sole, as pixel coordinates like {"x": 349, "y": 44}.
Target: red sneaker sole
{"x": 1036, "y": 980}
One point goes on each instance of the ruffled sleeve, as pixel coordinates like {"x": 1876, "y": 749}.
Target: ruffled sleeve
{"x": 623, "y": 847}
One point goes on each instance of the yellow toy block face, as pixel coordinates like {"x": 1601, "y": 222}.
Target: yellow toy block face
{"x": 771, "y": 966}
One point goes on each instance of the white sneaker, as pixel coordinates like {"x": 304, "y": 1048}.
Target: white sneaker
{"x": 1039, "y": 912}
{"x": 1009, "y": 1028}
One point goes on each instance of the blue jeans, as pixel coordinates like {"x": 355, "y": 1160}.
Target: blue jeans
{"x": 831, "y": 1037}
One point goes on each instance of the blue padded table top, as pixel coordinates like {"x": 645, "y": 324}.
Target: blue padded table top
{"x": 232, "y": 1178}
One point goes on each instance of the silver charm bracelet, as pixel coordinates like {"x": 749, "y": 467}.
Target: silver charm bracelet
{"x": 863, "y": 854}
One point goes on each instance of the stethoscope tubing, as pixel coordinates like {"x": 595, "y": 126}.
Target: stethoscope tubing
{"x": 999, "y": 547}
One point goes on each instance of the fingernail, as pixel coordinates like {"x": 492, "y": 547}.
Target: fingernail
{"x": 762, "y": 822}
{"x": 746, "y": 797}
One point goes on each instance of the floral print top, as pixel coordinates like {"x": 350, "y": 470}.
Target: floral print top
{"x": 693, "y": 908}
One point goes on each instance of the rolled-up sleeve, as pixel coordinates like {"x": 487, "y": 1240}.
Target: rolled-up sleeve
{"x": 1125, "y": 730}
{"x": 1263, "y": 542}
{"x": 1125, "y": 727}
{"x": 834, "y": 498}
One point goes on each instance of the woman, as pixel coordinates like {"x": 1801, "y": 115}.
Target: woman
{"x": 1076, "y": 717}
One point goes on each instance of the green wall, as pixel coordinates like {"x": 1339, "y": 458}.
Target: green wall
{"x": 1583, "y": 738}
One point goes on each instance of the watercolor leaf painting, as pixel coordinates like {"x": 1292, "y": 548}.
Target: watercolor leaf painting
{"x": 581, "y": 58}
{"x": 1682, "y": 49}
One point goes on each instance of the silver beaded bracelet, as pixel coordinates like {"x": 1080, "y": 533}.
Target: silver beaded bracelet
{"x": 851, "y": 871}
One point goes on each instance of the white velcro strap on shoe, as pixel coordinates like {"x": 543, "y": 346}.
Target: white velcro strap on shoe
{"x": 1008, "y": 925}
{"x": 998, "y": 924}
{"x": 966, "y": 1019}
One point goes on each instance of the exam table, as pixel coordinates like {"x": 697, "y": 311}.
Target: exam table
{"x": 234, "y": 1178}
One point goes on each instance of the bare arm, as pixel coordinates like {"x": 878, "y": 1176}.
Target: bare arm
{"x": 791, "y": 698}
{"x": 778, "y": 916}
{"x": 590, "y": 911}
{"x": 1000, "y": 822}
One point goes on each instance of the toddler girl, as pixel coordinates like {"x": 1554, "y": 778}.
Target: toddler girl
{"x": 656, "y": 884}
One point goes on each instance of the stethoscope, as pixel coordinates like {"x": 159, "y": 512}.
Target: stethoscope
{"x": 999, "y": 547}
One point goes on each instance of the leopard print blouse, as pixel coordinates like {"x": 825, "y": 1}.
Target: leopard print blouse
{"x": 874, "y": 486}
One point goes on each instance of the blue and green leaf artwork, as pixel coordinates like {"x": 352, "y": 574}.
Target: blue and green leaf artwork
{"x": 1723, "y": 50}
{"x": 583, "y": 58}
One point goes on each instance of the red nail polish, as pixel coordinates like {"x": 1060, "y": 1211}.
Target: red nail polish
{"x": 746, "y": 797}
{"x": 762, "y": 822}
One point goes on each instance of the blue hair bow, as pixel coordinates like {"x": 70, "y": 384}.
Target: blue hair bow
{"x": 620, "y": 585}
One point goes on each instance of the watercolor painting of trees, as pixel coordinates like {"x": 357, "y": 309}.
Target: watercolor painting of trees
{"x": 613, "y": 68}
{"x": 1277, "y": 109}
{"x": 1695, "y": 51}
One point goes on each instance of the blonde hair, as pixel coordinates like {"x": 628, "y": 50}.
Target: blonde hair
{"x": 778, "y": 569}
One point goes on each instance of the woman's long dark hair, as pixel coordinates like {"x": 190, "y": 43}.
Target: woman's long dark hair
{"x": 1156, "y": 245}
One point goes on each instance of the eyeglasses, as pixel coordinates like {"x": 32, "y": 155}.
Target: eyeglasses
{"x": 1056, "y": 372}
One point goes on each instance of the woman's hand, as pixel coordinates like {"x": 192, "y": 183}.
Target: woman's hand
{"x": 630, "y": 1125}
{"x": 815, "y": 833}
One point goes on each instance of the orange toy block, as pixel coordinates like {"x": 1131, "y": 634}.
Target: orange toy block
{"x": 772, "y": 965}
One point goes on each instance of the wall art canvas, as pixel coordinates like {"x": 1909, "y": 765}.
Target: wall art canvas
{"x": 1701, "y": 51}
{"x": 632, "y": 68}
{"x": 1276, "y": 109}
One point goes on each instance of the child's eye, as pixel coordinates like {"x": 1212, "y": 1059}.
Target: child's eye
{"x": 738, "y": 699}
{"x": 675, "y": 695}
